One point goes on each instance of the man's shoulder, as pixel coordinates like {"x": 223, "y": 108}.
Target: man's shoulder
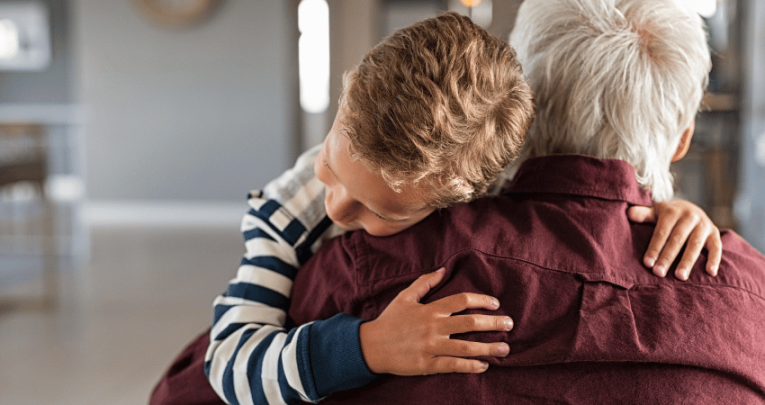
{"x": 742, "y": 265}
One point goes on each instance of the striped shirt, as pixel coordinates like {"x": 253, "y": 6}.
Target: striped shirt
{"x": 252, "y": 358}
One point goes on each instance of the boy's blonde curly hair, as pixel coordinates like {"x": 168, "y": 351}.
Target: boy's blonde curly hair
{"x": 440, "y": 105}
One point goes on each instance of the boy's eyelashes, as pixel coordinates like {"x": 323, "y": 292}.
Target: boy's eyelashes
{"x": 382, "y": 217}
{"x": 326, "y": 164}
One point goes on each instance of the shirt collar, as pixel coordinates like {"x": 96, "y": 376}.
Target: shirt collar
{"x": 581, "y": 175}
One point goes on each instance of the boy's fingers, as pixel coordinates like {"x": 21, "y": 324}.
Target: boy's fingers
{"x": 476, "y": 323}
{"x": 641, "y": 214}
{"x": 714, "y": 255}
{"x": 464, "y": 348}
{"x": 462, "y": 301}
{"x": 422, "y": 285}
{"x": 692, "y": 252}
{"x": 664, "y": 228}
{"x": 672, "y": 248}
{"x": 443, "y": 364}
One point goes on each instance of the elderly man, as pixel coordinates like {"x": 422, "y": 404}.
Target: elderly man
{"x": 617, "y": 85}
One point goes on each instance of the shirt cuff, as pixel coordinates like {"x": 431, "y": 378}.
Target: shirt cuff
{"x": 335, "y": 355}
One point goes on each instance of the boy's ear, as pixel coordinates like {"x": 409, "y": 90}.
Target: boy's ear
{"x": 685, "y": 142}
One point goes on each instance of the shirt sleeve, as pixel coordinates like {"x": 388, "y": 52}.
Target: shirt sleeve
{"x": 252, "y": 358}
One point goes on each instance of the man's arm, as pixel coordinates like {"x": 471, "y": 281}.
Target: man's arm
{"x": 251, "y": 357}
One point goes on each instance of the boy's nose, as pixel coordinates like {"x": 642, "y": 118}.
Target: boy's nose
{"x": 340, "y": 207}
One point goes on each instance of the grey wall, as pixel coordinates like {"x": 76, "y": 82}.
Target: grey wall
{"x": 201, "y": 113}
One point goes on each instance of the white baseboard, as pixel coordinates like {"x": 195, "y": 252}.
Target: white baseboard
{"x": 164, "y": 213}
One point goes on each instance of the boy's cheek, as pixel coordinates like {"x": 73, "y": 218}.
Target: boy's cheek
{"x": 382, "y": 228}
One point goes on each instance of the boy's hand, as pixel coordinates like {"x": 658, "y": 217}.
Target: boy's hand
{"x": 679, "y": 222}
{"x": 410, "y": 338}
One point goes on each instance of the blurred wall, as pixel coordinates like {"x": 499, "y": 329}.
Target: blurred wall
{"x": 750, "y": 205}
{"x": 53, "y": 84}
{"x": 195, "y": 114}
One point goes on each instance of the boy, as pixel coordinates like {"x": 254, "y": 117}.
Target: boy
{"x": 428, "y": 119}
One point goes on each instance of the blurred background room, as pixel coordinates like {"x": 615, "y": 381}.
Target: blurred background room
{"x": 132, "y": 130}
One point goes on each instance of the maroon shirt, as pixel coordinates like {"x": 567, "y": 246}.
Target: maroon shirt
{"x": 592, "y": 324}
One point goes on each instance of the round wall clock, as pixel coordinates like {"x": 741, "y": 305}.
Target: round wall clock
{"x": 178, "y": 13}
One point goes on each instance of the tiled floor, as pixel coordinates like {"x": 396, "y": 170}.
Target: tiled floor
{"x": 121, "y": 319}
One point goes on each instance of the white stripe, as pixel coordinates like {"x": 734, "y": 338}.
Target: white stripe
{"x": 250, "y": 222}
{"x": 256, "y": 202}
{"x": 265, "y": 278}
{"x": 241, "y": 382}
{"x": 303, "y": 198}
{"x": 281, "y": 218}
{"x": 263, "y": 247}
{"x": 289, "y": 362}
{"x": 257, "y": 314}
{"x": 305, "y": 163}
{"x": 223, "y": 352}
{"x": 270, "y": 374}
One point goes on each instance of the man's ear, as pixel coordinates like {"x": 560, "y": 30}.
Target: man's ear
{"x": 685, "y": 142}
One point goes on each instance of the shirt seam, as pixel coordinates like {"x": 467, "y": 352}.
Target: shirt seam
{"x": 635, "y": 284}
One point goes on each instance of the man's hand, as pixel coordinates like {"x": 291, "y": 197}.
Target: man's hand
{"x": 679, "y": 222}
{"x": 410, "y": 338}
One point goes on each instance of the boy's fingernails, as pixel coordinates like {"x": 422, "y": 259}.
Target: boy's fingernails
{"x": 660, "y": 270}
{"x": 650, "y": 261}
{"x": 441, "y": 270}
{"x": 508, "y": 324}
{"x": 502, "y": 350}
{"x": 714, "y": 271}
{"x": 682, "y": 273}
{"x": 483, "y": 366}
{"x": 494, "y": 303}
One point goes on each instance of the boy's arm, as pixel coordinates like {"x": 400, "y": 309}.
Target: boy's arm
{"x": 251, "y": 357}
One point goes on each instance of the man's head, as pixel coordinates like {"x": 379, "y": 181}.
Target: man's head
{"x": 434, "y": 112}
{"x": 618, "y": 79}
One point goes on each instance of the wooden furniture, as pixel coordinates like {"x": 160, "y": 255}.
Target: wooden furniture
{"x": 24, "y": 160}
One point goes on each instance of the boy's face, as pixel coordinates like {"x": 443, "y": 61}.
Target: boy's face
{"x": 357, "y": 198}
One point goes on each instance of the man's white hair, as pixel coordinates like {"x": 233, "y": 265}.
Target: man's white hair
{"x": 616, "y": 79}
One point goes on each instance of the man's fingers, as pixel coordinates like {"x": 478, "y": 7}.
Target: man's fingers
{"x": 714, "y": 249}
{"x": 462, "y": 301}
{"x": 444, "y": 364}
{"x": 692, "y": 252}
{"x": 476, "y": 323}
{"x": 422, "y": 285}
{"x": 641, "y": 214}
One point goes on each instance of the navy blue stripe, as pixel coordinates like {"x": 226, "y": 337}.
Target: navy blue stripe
{"x": 231, "y": 328}
{"x": 293, "y": 231}
{"x": 274, "y": 264}
{"x": 257, "y": 233}
{"x": 289, "y": 394}
{"x": 265, "y": 216}
{"x": 304, "y": 249}
{"x": 208, "y": 364}
{"x": 255, "y": 369}
{"x": 219, "y": 311}
{"x": 269, "y": 207}
{"x": 254, "y": 292}
{"x": 228, "y": 374}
